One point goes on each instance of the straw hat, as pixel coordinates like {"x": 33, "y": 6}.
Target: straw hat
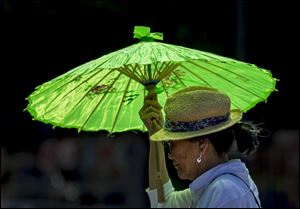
{"x": 196, "y": 111}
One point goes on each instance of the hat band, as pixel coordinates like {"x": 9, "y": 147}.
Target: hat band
{"x": 177, "y": 126}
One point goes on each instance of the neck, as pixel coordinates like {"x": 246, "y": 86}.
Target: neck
{"x": 210, "y": 162}
{"x": 216, "y": 161}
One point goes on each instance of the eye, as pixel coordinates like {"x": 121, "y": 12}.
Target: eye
{"x": 167, "y": 146}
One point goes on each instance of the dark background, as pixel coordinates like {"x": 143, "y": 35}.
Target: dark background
{"x": 43, "y": 39}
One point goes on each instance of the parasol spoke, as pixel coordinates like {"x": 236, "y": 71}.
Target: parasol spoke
{"x": 165, "y": 71}
{"x": 140, "y": 71}
{"x": 244, "y": 76}
{"x": 178, "y": 77}
{"x": 159, "y": 70}
{"x": 164, "y": 87}
{"x": 120, "y": 106}
{"x": 197, "y": 76}
{"x": 229, "y": 81}
{"x": 104, "y": 95}
{"x": 130, "y": 74}
{"x": 72, "y": 90}
{"x": 149, "y": 73}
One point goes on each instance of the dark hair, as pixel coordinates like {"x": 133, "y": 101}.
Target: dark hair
{"x": 239, "y": 140}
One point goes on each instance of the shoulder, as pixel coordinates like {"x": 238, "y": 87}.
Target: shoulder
{"x": 226, "y": 190}
{"x": 229, "y": 184}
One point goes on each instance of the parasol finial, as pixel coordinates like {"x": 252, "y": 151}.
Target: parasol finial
{"x": 143, "y": 33}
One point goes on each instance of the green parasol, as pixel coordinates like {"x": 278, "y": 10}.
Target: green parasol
{"x": 107, "y": 93}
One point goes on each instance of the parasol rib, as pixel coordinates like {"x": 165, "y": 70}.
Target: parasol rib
{"x": 134, "y": 71}
{"x": 156, "y": 77}
{"x": 104, "y": 95}
{"x": 239, "y": 75}
{"x": 165, "y": 71}
{"x": 218, "y": 58}
{"x": 83, "y": 97}
{"x": 196, "y": 76}
{"x": 179, "y": 53}
{"x": 149, "y": 72}
{"x": 226, "y": 80}
{"x": 120, "y": 105}
{"x": 141, "y": 73}
{"x": 266, "y": 72}
{"x": 74, "y": 89}
{"x": 155, "y": 71}
{"x": 64, "y": 84}
{"x": 127, "y": 72}
{"x": 177, "y": 76}
{"x": 144, "y": 127}
{"x": 164, "y": 87}
{"x": 204, "y": 81}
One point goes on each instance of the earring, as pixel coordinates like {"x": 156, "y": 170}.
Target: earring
{"x": 199, "y": 159}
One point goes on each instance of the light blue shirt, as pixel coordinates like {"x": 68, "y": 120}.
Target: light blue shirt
{"x": 213, "y": 189}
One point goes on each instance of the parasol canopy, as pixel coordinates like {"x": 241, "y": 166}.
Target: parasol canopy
{"x": 107, "y": 93}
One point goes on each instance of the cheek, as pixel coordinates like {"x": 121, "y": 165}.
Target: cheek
{"x": 185, "y": 154}
{"x": 185, "y": 158}
{"x": 187, "y": 166}
{"x": 179, "y": 156}
{"x": 189, "y": 159}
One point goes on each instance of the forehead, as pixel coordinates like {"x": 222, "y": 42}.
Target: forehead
{"x": 183, "y": 141}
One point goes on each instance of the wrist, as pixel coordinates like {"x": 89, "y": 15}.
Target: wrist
{"x": 153, "y": 131}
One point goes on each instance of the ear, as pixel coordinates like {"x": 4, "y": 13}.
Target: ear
{"x": 203, "y": 145}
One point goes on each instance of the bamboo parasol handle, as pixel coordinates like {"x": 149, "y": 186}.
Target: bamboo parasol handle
{"x": 159, "y": 183}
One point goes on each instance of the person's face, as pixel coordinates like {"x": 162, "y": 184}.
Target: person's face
{"x": 184, "y": 154}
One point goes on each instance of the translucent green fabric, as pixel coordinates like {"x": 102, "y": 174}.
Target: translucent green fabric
{"x": 107, "y": 93}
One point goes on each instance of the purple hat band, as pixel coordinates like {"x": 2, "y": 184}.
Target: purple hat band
{"x": 177, "y": 126}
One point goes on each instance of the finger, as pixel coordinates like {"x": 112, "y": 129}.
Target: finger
{"x": 151, "y": 96}
{"x": 150, "y": 106}
{"x": 152, "y": 109}
{"x": 149, "y": 110}
{"x": 143, "y": 109}
{"x": 152, "y": 103}
{"x": 157, "y": 124}
{"x": 160, "y": 123}
{"x": 151, "y": 116}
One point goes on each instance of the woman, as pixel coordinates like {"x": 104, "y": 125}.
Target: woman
{"x": 202, "y": 133}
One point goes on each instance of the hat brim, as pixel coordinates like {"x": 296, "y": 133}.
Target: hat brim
{"x": 165, "y": 135}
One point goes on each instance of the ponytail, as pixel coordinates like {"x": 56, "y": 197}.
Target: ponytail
{"x": 238, "y": 141}
{"x": 247, "y": 138}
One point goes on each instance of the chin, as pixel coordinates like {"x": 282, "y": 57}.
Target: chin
{"x": 182, "y": 176}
